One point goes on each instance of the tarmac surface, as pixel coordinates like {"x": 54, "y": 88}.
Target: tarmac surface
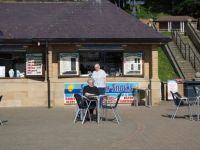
{"x": 141, "y": 128}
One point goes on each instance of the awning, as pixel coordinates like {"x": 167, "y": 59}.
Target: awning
{"x": 100, "y": 48}
{"x": 5, "y": 49}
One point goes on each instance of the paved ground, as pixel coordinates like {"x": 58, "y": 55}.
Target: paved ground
{"x": 142, "y": 129}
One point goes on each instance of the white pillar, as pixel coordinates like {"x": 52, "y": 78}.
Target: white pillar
{"x": 169, "y": 26}
{"x": 181, "y": 27}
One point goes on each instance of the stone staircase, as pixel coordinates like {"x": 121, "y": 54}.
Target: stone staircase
{"x": 185, "y": 66}
{"x": 187, "y": 40}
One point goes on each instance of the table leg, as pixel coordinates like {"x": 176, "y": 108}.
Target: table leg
{"x": 198, "y": 99}
{"x": 98, "y": 107}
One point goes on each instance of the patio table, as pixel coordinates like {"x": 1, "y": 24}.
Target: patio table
{"x": 97, "y": 99}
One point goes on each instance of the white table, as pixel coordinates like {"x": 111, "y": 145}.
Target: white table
{"x": 98, "y": 100}
{"x": 98, "y": 106}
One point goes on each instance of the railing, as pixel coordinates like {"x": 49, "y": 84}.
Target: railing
{"x": 186, "y": 51}
{"x": 154, "y": 26}
{"x": 190, "y": 31}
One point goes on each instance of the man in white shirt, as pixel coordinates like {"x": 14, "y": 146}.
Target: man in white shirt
{"x": 99, "y": 77}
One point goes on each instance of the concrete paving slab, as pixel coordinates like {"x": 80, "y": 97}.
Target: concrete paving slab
{"x": 141, "y": 128}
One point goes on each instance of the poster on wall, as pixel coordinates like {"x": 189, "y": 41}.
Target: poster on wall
{"x": 132, "y": 63}
{"x": 171, "y": 86}
{"x": 69, "y": 64}
{"x": 2, "y": 71}
{"x": 34, "y": 64}
{"x": 112, "y": 90}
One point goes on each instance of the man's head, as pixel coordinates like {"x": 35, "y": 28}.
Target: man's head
{"x": 97, "y": 67}
{"x": 90, "y": 82}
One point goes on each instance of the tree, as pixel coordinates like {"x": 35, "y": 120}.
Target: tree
{"x": 186, "y": 7}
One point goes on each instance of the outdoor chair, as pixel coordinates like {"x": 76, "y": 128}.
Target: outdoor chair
{"x": 83, "y": 106}
{"x": 181, "y": 101}
{"x": 113, "y": 108}
{"x": 2, "y": 121}
{"x": 197, "y": 91}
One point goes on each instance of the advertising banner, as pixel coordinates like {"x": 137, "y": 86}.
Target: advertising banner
{"x": 128, "y": 90}
{"x": 171, "y": 86}
{"x": 34, "y": 64}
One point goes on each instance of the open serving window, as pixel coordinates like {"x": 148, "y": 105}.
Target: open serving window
{"x": 115, "y": 63}
{"x": 14, "y": 61}
{"x": 110, "y": 61}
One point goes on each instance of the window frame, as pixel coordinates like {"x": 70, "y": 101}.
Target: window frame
{"x": 142, "y": 59}
{"x": 68, "y": 75}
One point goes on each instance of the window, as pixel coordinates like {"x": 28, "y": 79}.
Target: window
{"x": 15, "y": 61}
{"x": 111, "y": 62}
{"x": 82, "y": 63}
{"x": 68, "y": 64}
{"x": 133, "y": 64}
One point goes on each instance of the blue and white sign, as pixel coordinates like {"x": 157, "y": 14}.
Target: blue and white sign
{"x": 128, "y": 90}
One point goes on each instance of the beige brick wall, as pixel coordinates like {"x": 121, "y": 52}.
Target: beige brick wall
{"x": 32, "y": 92}
{"x": 23, "y": 92}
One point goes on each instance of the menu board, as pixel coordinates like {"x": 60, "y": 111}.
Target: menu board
{"x": 34, "y": 65}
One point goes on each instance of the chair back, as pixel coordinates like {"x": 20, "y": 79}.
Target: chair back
{"x": 197, "y": 90}
{"x": 1, "y": 96}
{"x": 117, "y": 101}
{"x": 176, "y": 98}
{"x": 79, "y": 100}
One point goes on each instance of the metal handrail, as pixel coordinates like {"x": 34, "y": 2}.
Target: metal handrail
{"x": 154, "y": 26}
{"x": 190, "y": 31}
{"x": 186, "y": 50}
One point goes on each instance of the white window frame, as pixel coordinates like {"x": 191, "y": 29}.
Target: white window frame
{"x": 133, "y": 63}
{"x": 65, "y": 64}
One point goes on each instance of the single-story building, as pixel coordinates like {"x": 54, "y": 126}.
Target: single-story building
{"x": 168, "y": 23}
{"x": 44, "y": 45}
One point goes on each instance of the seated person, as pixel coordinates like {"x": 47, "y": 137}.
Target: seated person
{"x": 90, "y": 90}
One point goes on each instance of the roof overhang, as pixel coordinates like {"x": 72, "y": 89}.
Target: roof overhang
{"x": 159, "y": 41}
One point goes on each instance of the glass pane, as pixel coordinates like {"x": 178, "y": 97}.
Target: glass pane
{"x": 111, "y": 62}
{"x": 132, "y": 63}
{"x": 69, "y": 63}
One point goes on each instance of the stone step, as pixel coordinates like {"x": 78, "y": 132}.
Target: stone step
{"x": 185, "y": 65}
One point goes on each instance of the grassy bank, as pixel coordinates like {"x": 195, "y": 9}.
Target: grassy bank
{"x": 165, "y": 69}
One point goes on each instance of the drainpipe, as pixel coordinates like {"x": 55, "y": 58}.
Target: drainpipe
{"x": 47, "y": 75}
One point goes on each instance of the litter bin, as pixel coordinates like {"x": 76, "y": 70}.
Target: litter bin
{"x": 190, "y": 88}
